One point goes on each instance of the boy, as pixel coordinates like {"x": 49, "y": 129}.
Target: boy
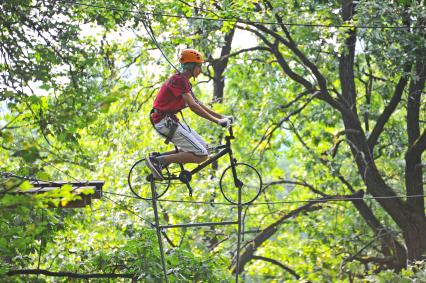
{"x": 174, "y": 95}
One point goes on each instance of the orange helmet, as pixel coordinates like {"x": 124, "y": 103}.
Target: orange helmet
{"x": 190, "y": 56}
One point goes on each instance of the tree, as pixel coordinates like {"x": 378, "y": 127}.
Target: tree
{"x": 338, "y": 84}
{"x": 56, "y": 85}
{"x": 331, "y": 112}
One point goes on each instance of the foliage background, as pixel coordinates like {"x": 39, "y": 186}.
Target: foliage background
{"x": 78, "y": 81}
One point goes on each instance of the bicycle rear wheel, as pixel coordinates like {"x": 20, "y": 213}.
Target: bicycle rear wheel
{"x": 140, "y": 184}
{"x": 247, "y": 178}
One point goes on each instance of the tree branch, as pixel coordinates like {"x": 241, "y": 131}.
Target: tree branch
{"x": 219, "y": 66}
{"x": 68, "y": 274}
{"x": 273, "y": 47}
{"x": 324, "y": 93}
{"x": 300, "y": 183}
{"x": 268, "y": 135}
{"x": 347, "y": 58}
{"x": 379, "y": 260}
{"x": 387, "y": 112}
{"x": 241, "y": 51}
{"x": 315, "y": 70}
{"x": 276, "y": 262}
{"x": 298, "y": 97}
{"x": 419, "y": 145}
{"x": 267, "y": 233}
{"x": 390, "y": 244}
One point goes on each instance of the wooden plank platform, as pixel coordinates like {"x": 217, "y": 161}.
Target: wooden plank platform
{"x": 77, "y": 188}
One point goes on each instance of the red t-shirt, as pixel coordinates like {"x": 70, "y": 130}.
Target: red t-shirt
{"x": 169, "y": 97}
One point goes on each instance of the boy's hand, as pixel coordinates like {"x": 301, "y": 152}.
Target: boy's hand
{"x": 224, "y": 122}
{"x": 231, "y": 118}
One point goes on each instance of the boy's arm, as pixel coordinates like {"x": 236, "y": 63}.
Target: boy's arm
{"x": 210, "y": 111}
{"x": 199, "y": 109}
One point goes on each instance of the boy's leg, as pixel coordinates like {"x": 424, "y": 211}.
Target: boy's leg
{"x": 192, "y": 148}
{"x": 182, "y": 157}
{"x": 158, "y": 154}
{"x": 198, "y": 138}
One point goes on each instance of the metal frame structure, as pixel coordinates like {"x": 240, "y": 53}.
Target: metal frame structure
{"x": 159, "y": 227}
{"x": 185, "y": 177}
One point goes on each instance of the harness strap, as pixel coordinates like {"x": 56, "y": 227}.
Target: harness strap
{"x": 173, "y": 126}
{"x": 172, "y": 132}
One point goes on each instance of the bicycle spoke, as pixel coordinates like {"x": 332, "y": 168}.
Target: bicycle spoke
{"x": 140, "y": 184}
{"x": 251, "y": 183}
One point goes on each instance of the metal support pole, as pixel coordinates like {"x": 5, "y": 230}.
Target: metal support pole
{"x": 198, "y": 224}
{"x": 157, "y": 227}
{"x": 240, "y": 208}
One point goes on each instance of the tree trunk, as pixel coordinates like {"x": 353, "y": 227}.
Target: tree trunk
{"x": 219, "y": 67}
{"x": 408, "y": 216}
{"x": 413, "y": 160}
{"x": 390, "y": 245}
{"x": 415, "y": 239}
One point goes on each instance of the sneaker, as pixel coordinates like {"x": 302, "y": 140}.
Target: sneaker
{"x": 155, "y": 167}
{"x": 154, "y": 154}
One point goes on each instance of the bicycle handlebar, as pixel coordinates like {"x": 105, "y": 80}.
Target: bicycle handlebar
{"x": 229, "y": 126}
{"x": 231, "y": 132}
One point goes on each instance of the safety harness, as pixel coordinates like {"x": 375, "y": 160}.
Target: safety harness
{"x": 174, "y": 124}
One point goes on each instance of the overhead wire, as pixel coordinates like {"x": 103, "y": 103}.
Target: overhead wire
{"x": 239, "y": 20}
{"x": 343, "y": 199}
{"x": 122, "y": 195}
{"x": 333, "y": 199}
{"x": 12, "y": 175}
{"x": 62, "y": 172}
{"x": 150, "y": 32}
{"x": 145, "y": 21}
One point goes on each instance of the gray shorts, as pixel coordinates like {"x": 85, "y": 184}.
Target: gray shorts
{"x": 186, "y": 139}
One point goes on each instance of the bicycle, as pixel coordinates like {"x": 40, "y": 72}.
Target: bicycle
{"x": 236, "y": 176}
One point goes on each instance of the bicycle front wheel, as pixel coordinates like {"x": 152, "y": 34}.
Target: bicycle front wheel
{"x": 246, "y": 178}
{"x": 139, "y": 181}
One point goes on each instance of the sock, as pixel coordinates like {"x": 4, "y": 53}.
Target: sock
{"x": 162, "y": 161}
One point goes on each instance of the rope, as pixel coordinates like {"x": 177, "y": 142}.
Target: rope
{"x": 195, "y": 202}
{"x": 122, "y": 195}
{"x": 335, "y": 199}
{"x": 61, "y": 171}
{"x": 11, "y": 175}
{"x": 131, "y": 211}
{"x": 151, "y": 34}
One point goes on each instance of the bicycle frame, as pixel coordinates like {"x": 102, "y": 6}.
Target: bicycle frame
{"x": 185, "y": 176}
{"x": 227, "y": 187}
